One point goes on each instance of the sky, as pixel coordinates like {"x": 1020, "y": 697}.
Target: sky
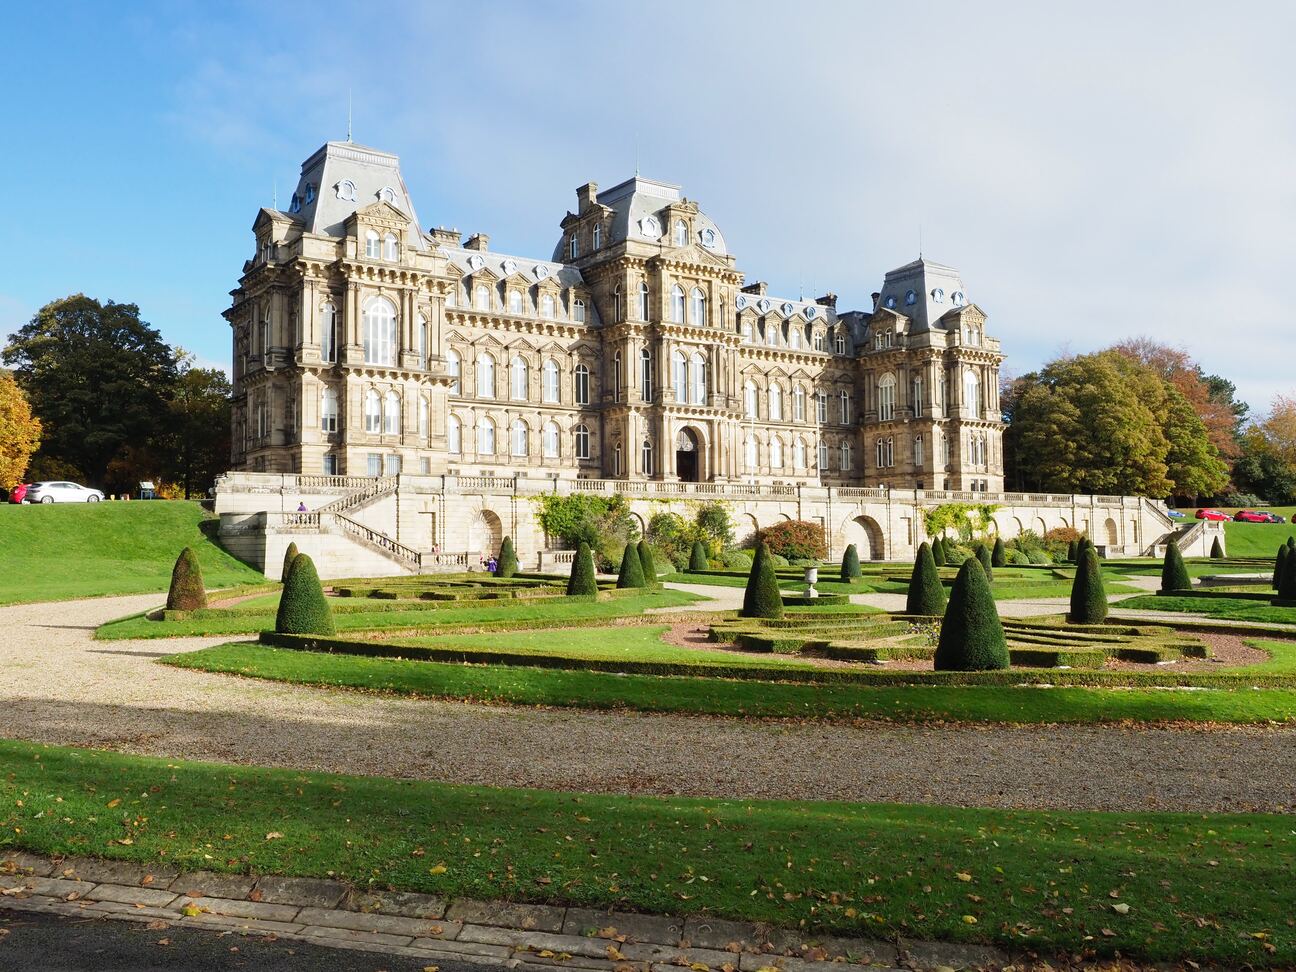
{"x": 1095, "y": 170}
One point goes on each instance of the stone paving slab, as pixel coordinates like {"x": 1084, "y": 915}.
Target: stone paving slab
{"x": 718, "y": 933}
{"x": 355, "y": 935}
{"x": 675, "y": 955}
{"x": 56, "y": 887}
{"x": 20, "y": 862}
{"x": 534, "y": 941}
{"x": 117, "y": 872}
{"x": 406, "y": 904}
{"x": 385, "y": 924}
{"x": 314, "y": 892}
{"x": 461, "y": 949}
{"x": 115, "y": 908}
{"x": 151, "y": 897}
{"x": 635, "y": 928}
{"x": 525, "y": 916}
{"x": 234, "y": 908}
{"x": 198, "y": 884}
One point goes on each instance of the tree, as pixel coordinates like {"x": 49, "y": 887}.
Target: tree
{"x": 762, "y": 598}
{"x": 796, "y": 540}
{"x": 1267, "y": 465}
{"x": 999, "y": 556}
{"x": 506, "y": 564}
{"x": 20, "y": 431}
{"x": 1174, "y": 575}
{"x": 986, "y": 560}
{"x": 97, "y": 376}
{"x": 648, "y": 564}
{"x": 1073, "y": 551}
{"x": 972, "y": 636}
{"x": 938, "y": 551}
{"x": 926, "y": 594}
{"x": 289, "y": 556}
{"x": 1088, "y": 596}
{"x": 1287, "y": 586}
{"x": 582, "y": 581}
{"x": 197, "y": 441}
{"x": 187, "y": 592}
{"x": 850, "y": 566}
{"x": 1217, "y": 551}
{"x": 631, "y": 574}
{"x": 1279, "y": 562}
{"x": 303, "y": 609}
{"x": 698, "y": 557}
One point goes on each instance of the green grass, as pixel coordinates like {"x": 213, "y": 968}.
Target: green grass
{"x": 1214, "y": 888}
{"x": 520, "y": 685}
{"x": 553, "y": 611}
{"x": 1258, "y": 539}
{"x": 825, "y": 584}
{"x": 1233, "y": 609}
{"x": 58, "y": 552}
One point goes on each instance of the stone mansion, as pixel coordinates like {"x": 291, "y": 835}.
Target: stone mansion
{"x": 366, "y": 346}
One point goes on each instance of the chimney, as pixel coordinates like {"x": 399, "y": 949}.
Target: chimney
{"x": 449, "y": 237}
{"x": 477, "y": 241}
{"x": 876, "y": 297}
{"x": 827, "y": 300}
{"x": 760, "y": 288}
{"x": 586, "y": 196}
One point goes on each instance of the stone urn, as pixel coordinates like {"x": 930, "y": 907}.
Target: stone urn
{"x": 811, "y": 578}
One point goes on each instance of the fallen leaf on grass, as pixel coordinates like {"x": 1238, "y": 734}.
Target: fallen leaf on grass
{"x": 1121, "y": 909}
{"x": 963, "y": 876}
{"x": 437, "y": 869}
{"x": 273, "y": 835}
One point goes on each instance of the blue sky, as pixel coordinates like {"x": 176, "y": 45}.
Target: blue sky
{"x": 1096, "y": 170}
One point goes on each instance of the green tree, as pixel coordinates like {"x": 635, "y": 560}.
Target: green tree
{"x": 972, "y": 637}
{"x": 98, "y": 377}
{"x": 187, "y": 592}
{"x": 938, "y": 552}
{"x": 289, "y": 556}
{"x": 582, "y": 581}
{"x": 1174, "y": 575}
{"x": 1088, "y": 595}
{"x": 196, "y": 444}
{"x": 303, "y": 609}
{"x": 984, "y": 557}
{"x": 1073, "y": 551}
{"x": 850, "y": 565}
{"x": 20, "y": 431}
{"x": 926, "y": 593}
{"x": 1217, "y": 550}
{"x": 762, "y": 598}
{"x": 999, "y": 556}
{"x": 1287, "y": 587}
{"x": 698, "y": 557}
{"x": 647, "y": 563}
{"x": 1279, "y": 561}
{"x": 506, "y": 564}
{"x": 631, "y": 574}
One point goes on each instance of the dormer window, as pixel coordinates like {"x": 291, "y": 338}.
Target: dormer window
{"x": 573, "y": 248}
{"x": 818, "y": 341}
{"x": 938, "y": 296}
{"x": 311, "y": 191}
{"x": 597, "y": 236}
{"x": 578, "y": 311}
{"x": 890, "y": 303}
{"x": 681, "y": 233}
{"x": 373, "y": 246}
{"x": 514, "y": 302}
{"x": 839, "y": 343}
{"x": 296, "y": 204}
{"x": 388, "y": 195}
{"x": 346, "y": 190}
{"x": 911, "y": 298}
{"x": 547, "y": 306}
{"x": 391, "y": 248}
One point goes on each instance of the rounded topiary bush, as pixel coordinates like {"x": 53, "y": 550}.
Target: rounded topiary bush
{"x": 1088, "y": 596}
{"x": 850, "y": 566}
{"x": 302, "y": 606}
{"x": 938, "y": 552}
{"x": 1174, "y": 575}
{"x": 289, "y": 556}
{"x": 506, "y": 564}
{"x": 926, "y": 594}
{"x": 187, "y": 592}
{"x": 631, "y": 574}
{"x": 972, "y": 637}
{"x": 762, "y": 598}
{"x": 647, "y": 564}
{"x": 582, "y": 580}
{"x": 698, "y": 556}
{"x": 985, "y": 558}
{"x": 1217, "y": 549}
{"x": 999, "y": 556}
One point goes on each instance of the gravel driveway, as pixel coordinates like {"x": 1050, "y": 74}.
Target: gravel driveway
{"x": 59, "y": 685}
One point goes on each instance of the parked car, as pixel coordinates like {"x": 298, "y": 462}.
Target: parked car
{"x": 1272, "y": 517}
{"x": 1212, "y": 515}
{"x": 62, "y": 492}
{"x": 18, "y": 493}
{"x": 1251, "y": 516}
{"x": 1174, "y": 514}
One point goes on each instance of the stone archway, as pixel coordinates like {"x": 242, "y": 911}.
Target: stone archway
{"x": 1018, "y": 524}
{"x": 1110, "y": 529}
{"x": 746, "y": 527}
{"x": 689, "y": 456}
{"x": 866, "y": 534}
{"x": 485, "y": 533}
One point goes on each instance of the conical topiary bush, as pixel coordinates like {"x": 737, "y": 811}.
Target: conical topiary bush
{"x": 1279, "y": 561}
{"x": 582, "y": 581}
{"x": 999, "y": 556}
{"x": 698, "y": 556}
{"x": 187, "y": 592}
{"x": 762, "y": 598}
{"x": 1174, "y": 575}
{"x": 302, "y": 606}
{"x": 984, "y": 557}
{"x": 1291, "y": 543}
{"x": 506, "y": 564}
{"x": 1073, "y": 551}
{"x": 631, "y": 574}
{"x": 972, "y": 637}
{"x": 926, "y": 595}
{"x": 938, "y": 552}
{"x": 647, "y": 564}
{"x": 289, "y": 556}
{"x": 1217, "y": 549}
{"x": 850, "y": 566}
{"x": 1287, "y": 586}
{"x": 1088, "y": 596}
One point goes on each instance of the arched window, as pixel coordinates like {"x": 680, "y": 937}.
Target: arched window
{"x": 391, "y": 414}
{"x": 798, "y": 404}
{"x": 972, "y": 392}
{"x": 328, "y": 410}
{"x": 597, "y": 236}
{"x": 771, "y": 334}
{"x": 699, "y": 379}
{"x": 647, "y": 456}
{"x": 916, "y": 396}
{"x": 681, "y": 233}
{"x": 697, "y": 307}
{"x": 847, "y": 460}
{"x": 391, "y": 248}
{"x": 549, "y": 440}
{"x": 421, "y": 340}
{"x": 798, "y": 453}
{"x": 549, "y": 380}
{"x": 481, "y": 297}
{"x": 373, "y": 245}
{"x": 679, "y": 376}
{"x": 643, "y": 301}
{"x": 919, "y": 458}
{"x": 677, "y": 304}
{"x": 844, "y": 405}
{"x": 424, "y": 413}
{"x": 380, "y": 332}
{"x": 645, "y": 375}
{"x": 749, "y": 452}
{"x": 454, "y": 435}
{"x": 823, "y": 455}
{"x": 886, "y": 397}
{"x": 749, "y": 400}
{"x": 616, "y": 304}
{"x": 520, "y": 438}
{"x": 821, "y": 406}
{"x": 518, "y": 379}
{"x": 547, "y": 306}
{"x": 776, "y": 453}
{"x": 746, "y": 332}
{"x": 485, "y": 375}
{"x": 616, "y": 459}
{"x": 818, "y": 340}
{"x": 372, "y": 412}
{"x": 454, "y": 369}
{"x": 839, "y": 342}
{"x": 794, "y": 337}
{"x": 616, "y": 376}
{"x": 573, "y": 247}
{"x": 328, "y": 333}
{"x": 514, "y": 302}
{"x": 582, "y": 442}
{"x": 578, "y": 311}
{"x": 485, "y": 437}
{"x": 581, "y": 380}
{"x": 775, "y": 402}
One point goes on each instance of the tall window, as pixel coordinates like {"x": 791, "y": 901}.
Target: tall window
{"x": 582, "y": 442}
{"x": 776, "y": 453}
{"x": 798, "y": 453}
{"x": 454, "y": 435}
{"x": 616, "y": 459}
{"x": 549, "y": 380}
{"x": 328, "y": 410}
{"x": 518, "y": 379}
{"x": 645, "y": 375}
{"x": 839, "y": 342}
{"x": 391, "y": 248}
{"x": 798, "y": 404}
{"x": 454, "y": 368}
{"x": 643, "y": 301}
{"x": 886, "y": 398}
{"x": 597, "y": 236}
{"x": 677, "y": 304}
{"x": 549, "y": 440}
{"x": 514, "y": 302}
{"x": 794, "y": 337}
{"x": 746, "y": 332}
{"x": 581, "y": 379}
{"x": 328, "y": 333}
{"x": 679, "y": 376}
{"x": 749, "y": 452}
{"x": 481, "y": 297}
{"x": 616, "y": 376}
{"x": 749, "y": 400}
{"x": 847, "y": 460}
{"x": 380, "y": 332}
{"x": 547, "y": 306}
{"x": 916, "y": 396}
{"x": 699, "y": 379}
{"x": 972, "y": 392}
{"x": 821, "y": 406}
{"x": 519, "y": 438}
{"x": 918, "y": 456}
{"x": 573, "y": 247}
{"x": 373, "y": 245}
{"x": 775, "y": 403}
{"x": 485, "y": 375}
{"x": 943, "y": 398}
{"x": 771, "y": 334}
{"x": 421, "y": 336}
{"x": 485, "y": 437}
{"x": 424, "y": 413}
{"x": 823, "y": 455}
{"x": 844, "y": 401}
{"x": 697, "y": 307}
{"x": 391, "y": 413}
{"x": 616, "y": 304}
{"x": 578, "y": 311}
{"x": 818, "y": 341}
{"x": 372, "y": 412}
{"x": 885, "y": 452}
{"x": 681, "y": 233}
{"x": 646, "y": 455}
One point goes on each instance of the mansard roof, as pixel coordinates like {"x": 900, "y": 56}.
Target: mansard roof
{"x": 923, "y": 291}
{"x": 343, "y": 177}
{"x": 637, "y": 206}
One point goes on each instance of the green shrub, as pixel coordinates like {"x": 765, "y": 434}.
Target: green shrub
{"x": 647, "y": 563}
{"x": 938, "y": 551}
{"x": 631, "y": 574}
{"x": 1174, "y": 575}
{"x": 669, "y": 534}
{"x": 1017, "y": 558}
{"x": 187, "y": 592}
{"x": 1279, "y": 561}
{"x": 1217, "y": 550}
{"x": 1287, "y": 588}
{"x": 506, "y": 564}
{"x": 998, "y": 556}
{"x": 850, "y": 566}
{"x": 795, "y": 539}
{"x": 603, "y": 522}
{"x": 302, "y": 606}
{"x": 1038, "y": 557}
{"x": 289, "y": 556}
{"x": 698, "y": 556}
{"x": 1073, "y": 552}
{"x": 1088, "y": 596}
{"x": 986, "y": 560}
{"x": 1291, "y": 543}
{"x": 777, "y": 561}
{"x": 972, "y": 637}
{"x": 926, "y": 595}
{"x": 582, "y": 582}
{"x": 762, "y": 599}
{"x": 736, "y": 559}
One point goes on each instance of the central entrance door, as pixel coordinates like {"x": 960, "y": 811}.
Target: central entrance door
{"x": 686, "y": 456}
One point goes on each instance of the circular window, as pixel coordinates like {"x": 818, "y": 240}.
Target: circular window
{"x": 938, "y": 295}
{"x": 911, "y": 298}
{"x": 890, "y": 302}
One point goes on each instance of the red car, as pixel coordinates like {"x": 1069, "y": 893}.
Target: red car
{"x": 1251, "y": 516}
{"x": 1212, "y": 515}
{"x": 18, "y": 493}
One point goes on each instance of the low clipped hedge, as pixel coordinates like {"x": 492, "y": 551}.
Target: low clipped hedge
{"x": 825, "y": 600}
{"x": 1057, "y": 657}
{"x": 1266, "y": 596}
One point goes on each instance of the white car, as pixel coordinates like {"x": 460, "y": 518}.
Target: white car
{"x": 62, "y": 492}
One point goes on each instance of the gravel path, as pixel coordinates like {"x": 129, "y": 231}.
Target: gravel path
{"x": 59, "y": 685}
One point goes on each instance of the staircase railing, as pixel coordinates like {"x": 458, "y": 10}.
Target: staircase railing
{"x": 397, "y": 549}
{"x": 373, "y": 489}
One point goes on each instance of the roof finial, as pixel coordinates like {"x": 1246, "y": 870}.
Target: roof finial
{"x": 274, "y": 193}
{"x": 920, "y": 241}
{"x": 636, "y": 155}
{"x": 348, "y": 114}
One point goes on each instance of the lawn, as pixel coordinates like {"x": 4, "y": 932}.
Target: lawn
{"x": 57, "y": 552}
{"x": 1233, "y": 609}
{"x": 1214, "y": 888}
{"x": 1258, "y": 539}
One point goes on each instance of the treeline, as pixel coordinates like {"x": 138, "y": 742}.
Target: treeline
{"x": 96, "y": 396}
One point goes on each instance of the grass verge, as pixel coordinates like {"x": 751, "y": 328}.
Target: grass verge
{"x": 1232, "y": 609}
